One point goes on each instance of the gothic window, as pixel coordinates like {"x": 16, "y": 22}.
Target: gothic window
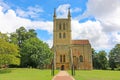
{"x": 60, "y": 58}
{"x": 57, "y": 26}
{"x": 81, "y": 58}
{"x": 66, "y": 26}
{"x": 60, "y": 27}
{"x": 63, "y": 58}
{"x": 60, "y": 36}
{"x": 64, "y": 35}
{"x": 63, "y": 26}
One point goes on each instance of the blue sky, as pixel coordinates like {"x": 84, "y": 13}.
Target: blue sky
{"x": 96, "y": 20}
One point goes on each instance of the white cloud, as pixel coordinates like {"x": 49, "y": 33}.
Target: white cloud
{"x": 102, "y": 8}
{"x": 50, "y": 43}
{"x": 4, "y": 5}
{"x": 75, "y": 10}
{"x": 32, "y": 12}
{"x": 102, "y": 33}
{"x": 91, "y": 31}
{"x": 9, "y": 22}
{"x": 62, "y": 10}
{"x": 107, "y": 14}
{"x": 105, "y": 11}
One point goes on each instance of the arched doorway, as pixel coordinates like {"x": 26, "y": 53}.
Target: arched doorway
{"x": 62, "y": 67}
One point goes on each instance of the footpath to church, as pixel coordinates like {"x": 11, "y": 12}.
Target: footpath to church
{"x": 63, "y": 75}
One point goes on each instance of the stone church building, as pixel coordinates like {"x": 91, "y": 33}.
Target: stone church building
{"x": 68, "y": 52}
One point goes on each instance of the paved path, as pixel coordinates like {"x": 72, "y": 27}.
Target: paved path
{"x": 63, "y": 75}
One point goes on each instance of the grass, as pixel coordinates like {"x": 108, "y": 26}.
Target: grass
{"x": 97, "y": 75}
{"x": 25, "y": 74}
{"x": 37, "y": 74}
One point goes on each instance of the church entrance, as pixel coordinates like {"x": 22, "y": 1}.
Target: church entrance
{"x": 62, "y": 67}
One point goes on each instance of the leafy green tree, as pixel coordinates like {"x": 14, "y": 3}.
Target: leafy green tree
{"x": 95, "y": 59}
{"x": 99, "y": 59}
{"x": 114, "y": 57}
{"x": 21, "y": 35}
{"x": 4, "y": 36}
{"x": 35, "y": 53}
{"x": 103, "y": 64}
{"x": 8, "y": 53}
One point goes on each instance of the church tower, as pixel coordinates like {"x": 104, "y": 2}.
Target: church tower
{"x": 62, "y": 30}
{"x": 69, "y": 53}
{"x": 61, "y": 41}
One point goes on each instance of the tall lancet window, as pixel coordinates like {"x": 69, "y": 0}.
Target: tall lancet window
{"x": 64, "y": 35}
{"x": 63, "y": 26}
{"x": 60, "y": 36}
{"x": 63, "y": 58}
{"x": 81, "y": 58}
{"x": 60, "y": 58}
{"x": 60, "y": 27}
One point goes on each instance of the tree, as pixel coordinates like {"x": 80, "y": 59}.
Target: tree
{"x": 4, "y": 36}
{"x": 102, "y": 59}
{"x": 95, "y": 59}
{"x": 8, "y": 53}
{"x": 21, "y": 35}
{"x": 35, "y": 53}
{"x": 99, "y": 59}
{"x": 114, "y": 57}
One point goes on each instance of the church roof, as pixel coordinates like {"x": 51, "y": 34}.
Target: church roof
{"x": 77, "y": 42}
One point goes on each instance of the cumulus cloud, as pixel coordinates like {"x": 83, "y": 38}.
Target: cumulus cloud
{"x": 9, "y": 22}
{"x": 102, "y": 8}
{"x": 102, "y": 33}
{"x": 4, "y": 5}
{"x": 107, "y": 13}
{"x": 75, "y": 10}
{"x": 49, "y": 42}
{"x": 31, "y": 12}
{"x": 62, "y": 10}
{"x": 92, "y": 31}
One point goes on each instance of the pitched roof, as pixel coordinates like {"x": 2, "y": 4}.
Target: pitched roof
{"x": 80, "y": 42}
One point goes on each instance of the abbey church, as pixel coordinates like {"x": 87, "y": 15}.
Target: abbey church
{"x": 68, "y": 52}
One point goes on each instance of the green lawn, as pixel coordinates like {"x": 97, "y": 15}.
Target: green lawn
{"x": 25, "y": 74}
{"x": 97, "y": 75}
{"x": 37, "y": 74}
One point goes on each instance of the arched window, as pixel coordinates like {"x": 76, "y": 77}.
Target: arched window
{"x": 66, "y": 26}
{"x": 60, "y": 58}
{"x": 64, "y": 35}
{"x": 60, "y": 36}
{"x": 81, "y": 58}
{"x": 63, "y": 26}
{"x": 60, "y": 27}
{"x": 63, "y": 58}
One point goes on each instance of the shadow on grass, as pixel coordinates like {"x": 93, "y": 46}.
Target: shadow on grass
{"x": 3, "y": 71}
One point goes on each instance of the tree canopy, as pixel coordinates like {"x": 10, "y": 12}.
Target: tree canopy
{"x": 9, "y": 53}
{"x": 35, "y": 53}
{"x": 114, "y": 57}
{"x": 99, "y": 59}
